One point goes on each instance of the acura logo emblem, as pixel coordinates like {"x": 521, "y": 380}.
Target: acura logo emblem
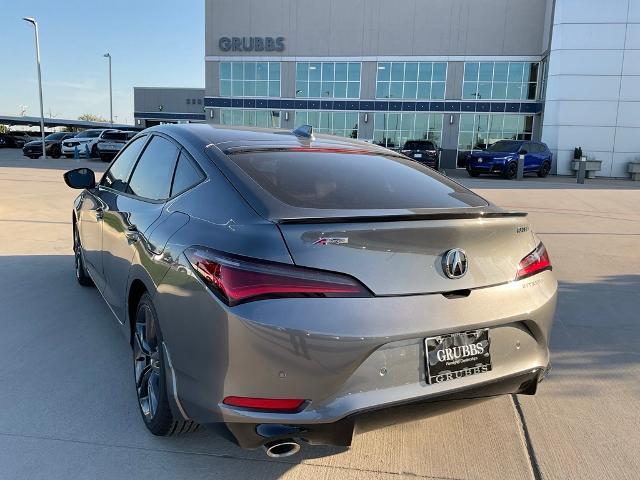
{"x": 454, "y": 263}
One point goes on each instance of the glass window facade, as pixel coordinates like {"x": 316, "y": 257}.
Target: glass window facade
{"x": 249, "y": 79}
{"x": 477, "y": 131}
{"x": 328, "y": 79}
{"x": 250, "y": 118}
{"x": 392, "y": 130}
{"x": 344, "y": 124}
{"x": 417, "y": 80}
{"x": 500, "y": 81}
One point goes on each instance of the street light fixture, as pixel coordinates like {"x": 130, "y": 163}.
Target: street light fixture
{"x": 108, "y": 55}
{"x": 33, "y": 22}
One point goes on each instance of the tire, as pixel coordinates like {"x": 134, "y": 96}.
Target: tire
{"x": 81, "y": 272}
{"x": 545, "y": 168}
{"x": 473, "y": 174}
{"x": 94, "y": 151}
{"x": 56, "y": 153}
{"x": 510, "y": 171}
{"x": 105, "y": 158}
{"x": 149, "y": 374}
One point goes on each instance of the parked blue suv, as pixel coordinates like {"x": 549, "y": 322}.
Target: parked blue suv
{"x": 502, "y": 157}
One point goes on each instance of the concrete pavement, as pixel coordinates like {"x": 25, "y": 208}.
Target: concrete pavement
{"x": 68, "y": 409}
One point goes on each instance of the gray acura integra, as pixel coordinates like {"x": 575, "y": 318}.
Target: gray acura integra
{"x": 284, "y": 283}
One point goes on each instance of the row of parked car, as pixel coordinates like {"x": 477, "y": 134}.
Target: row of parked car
{"x": 93, "y": 143}
{"x": 16, "y": 139}
{"x": 102, "y": 143}
{"x": 499, "y": 158}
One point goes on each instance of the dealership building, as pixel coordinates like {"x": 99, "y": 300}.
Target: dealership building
{"x": 463, "y": 73}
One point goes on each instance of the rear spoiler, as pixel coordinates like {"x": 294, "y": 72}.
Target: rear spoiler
{"x": 399, "y": 218}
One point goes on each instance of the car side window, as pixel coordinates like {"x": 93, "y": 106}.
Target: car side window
{"x": 186, "y": 176}
{"x": 152, "y": 175}
{"x": 117, "y": 175}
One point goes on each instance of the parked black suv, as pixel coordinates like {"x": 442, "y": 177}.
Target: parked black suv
{"x": 52, "y": 144}
{"x": 423, "y": 151}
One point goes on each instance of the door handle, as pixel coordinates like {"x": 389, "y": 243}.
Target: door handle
{"x": 99, "y": 214}
{"x": 132, "y": 233}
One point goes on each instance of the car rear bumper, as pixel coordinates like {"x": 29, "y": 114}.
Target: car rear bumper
{"x": 426, "y": 159}
{"x": 345, "y": 356}
{"x": 340, "y": 432}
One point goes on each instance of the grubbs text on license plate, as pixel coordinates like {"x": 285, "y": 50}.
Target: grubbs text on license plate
{"x": 457, "y": 355}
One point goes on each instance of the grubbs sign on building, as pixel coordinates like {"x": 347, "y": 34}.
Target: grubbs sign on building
{"x": 251, "y": 44}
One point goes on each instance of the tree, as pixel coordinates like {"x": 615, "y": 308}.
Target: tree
{"x": 88, "y": 117}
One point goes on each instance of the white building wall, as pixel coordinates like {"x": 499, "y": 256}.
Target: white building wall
{"x": 593, "y": 88}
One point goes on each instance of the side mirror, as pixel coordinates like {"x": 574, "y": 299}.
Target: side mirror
{"x": 523, "y": 152}
{"x": 80, "y": 178}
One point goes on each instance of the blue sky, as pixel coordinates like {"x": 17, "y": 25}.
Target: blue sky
{"x": 152, "y": 42}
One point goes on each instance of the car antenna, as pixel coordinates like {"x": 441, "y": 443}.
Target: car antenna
{"x": 305, "y": 131}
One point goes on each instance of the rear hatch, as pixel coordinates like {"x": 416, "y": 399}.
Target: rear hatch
{"x": 375, "y": 215}
{"x": 406, "y": 257}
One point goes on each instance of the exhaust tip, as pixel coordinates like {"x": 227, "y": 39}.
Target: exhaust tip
{"x": 281, "y": 448}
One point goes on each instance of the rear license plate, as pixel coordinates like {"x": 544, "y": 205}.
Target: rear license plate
{"x": 457, "y": 355}
{"x": 417, "y": 155}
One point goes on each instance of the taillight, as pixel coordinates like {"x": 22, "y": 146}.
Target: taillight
{"x": 281, "y": 405}
{"x": 236, "y": 279}
{"x": 536, "y": 262}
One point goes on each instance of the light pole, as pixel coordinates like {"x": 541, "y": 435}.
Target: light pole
{"x": 108, "y": 55}
{"x": 33, "y": 22}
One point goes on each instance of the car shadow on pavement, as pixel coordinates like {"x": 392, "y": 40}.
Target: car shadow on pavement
{"x": 67, "y": 376}
{"x": 594, "y": 335}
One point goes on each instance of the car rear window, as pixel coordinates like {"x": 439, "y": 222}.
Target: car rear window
{"x": 89, "y": 134}
{"x": 114, "y": 136}
{"x": 419, "y": 145}
{"x": 351, "y": 181}
{"x": 504, "y": 146}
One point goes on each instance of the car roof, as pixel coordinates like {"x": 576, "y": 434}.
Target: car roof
{"x": 228, "y": 138}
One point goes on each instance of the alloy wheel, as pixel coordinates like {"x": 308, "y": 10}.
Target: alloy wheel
{"x": 147, "y": 362}
{"x": 546, "y": 167}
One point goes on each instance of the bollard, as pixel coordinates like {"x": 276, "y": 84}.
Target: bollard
{"x": 582, "y": 170}
{"x": 520, "y": 173}
{"x": 76, "y": 153}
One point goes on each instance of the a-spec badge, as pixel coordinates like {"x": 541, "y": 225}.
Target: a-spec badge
{"x": 331, "y": 241}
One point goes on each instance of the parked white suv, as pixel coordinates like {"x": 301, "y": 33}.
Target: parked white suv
{"x": 111, "y": 142}
{"x": 84, "y": 140}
